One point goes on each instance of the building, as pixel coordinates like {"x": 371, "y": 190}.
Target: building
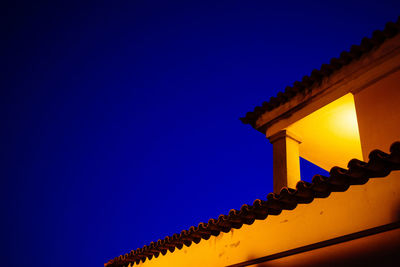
{"x": 347, "y": 115}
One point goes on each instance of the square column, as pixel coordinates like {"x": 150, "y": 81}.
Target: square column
{"x": 286, "y": 161}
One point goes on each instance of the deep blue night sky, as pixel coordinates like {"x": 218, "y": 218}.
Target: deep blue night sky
{"x": 120, "y": 121}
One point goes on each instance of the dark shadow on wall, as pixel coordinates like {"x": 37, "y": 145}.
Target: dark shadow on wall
{"x": 379, "y": 246}
{"x": 385, "y": 252}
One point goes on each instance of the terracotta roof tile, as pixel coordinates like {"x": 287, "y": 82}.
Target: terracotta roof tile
{"x": 380, "y": 164}
{"x": 316, "y": 76}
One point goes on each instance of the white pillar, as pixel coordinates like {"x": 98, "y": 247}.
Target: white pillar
{"x": 286, "y": 161}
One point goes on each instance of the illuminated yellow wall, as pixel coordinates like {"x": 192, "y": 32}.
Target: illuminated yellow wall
{"x": 329, "y": 136}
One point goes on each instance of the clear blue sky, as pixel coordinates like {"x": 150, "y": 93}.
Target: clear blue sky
{"x": 120, "y": 119}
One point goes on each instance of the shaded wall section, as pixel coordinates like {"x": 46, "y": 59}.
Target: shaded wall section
{"x": 378, "y": 113}
{"x": 376, "y": 250}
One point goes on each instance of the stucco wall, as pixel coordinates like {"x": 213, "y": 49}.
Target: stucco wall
{"x": 378, "y": 113}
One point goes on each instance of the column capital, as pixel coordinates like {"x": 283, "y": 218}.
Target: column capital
{"x": 284, "y": 134}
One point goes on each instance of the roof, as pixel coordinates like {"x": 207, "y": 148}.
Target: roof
{"x": 308, "y": 83}
{"x": 380, "y": 164}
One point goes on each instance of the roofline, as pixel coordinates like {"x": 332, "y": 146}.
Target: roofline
{"x": 308, "y": 83}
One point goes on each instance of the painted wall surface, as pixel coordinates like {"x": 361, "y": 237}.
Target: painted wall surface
{"x": 331, "y": 131}
{"x": 375, "y": 250}
{"x": 378, "y": 112}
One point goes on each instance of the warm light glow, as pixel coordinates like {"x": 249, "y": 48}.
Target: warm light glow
{"x": 343, "y": 120}
{"x": 330, "y": 135}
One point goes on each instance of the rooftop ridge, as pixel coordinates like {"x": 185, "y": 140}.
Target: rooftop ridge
{"x": 317, "y": 75}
